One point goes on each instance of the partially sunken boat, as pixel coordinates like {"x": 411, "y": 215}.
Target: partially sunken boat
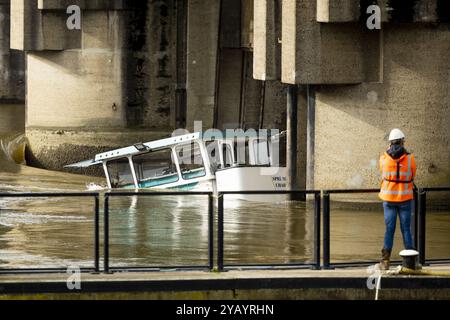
{"x": 199, "y": 162}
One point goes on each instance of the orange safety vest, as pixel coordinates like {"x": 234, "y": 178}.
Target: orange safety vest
{"x": 398, "y": 175}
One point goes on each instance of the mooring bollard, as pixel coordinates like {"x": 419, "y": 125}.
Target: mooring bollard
{"x": 409, "y": 259}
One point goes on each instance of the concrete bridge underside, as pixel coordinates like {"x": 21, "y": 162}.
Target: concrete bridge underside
{"x": 136, "y": 70}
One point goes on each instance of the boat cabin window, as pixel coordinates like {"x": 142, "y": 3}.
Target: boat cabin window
{"x": 241, "y": 151}
{"x": 261, "y": 152}
{"x": 191, "y": 161}
{"x": 155, "y": 168}
{"x": 278, "y": 151}
{"x": 212, "y": 148}
{"x": 227, "y": 153}
{"x": 119, "y": 172}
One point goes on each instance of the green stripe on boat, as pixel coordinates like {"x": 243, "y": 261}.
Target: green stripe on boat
{"x": 185, "y": 187}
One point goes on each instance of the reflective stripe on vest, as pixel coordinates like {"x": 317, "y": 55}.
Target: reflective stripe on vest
{"x": 396, "y": 192}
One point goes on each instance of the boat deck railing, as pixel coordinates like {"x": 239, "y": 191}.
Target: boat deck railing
{"x": 321, "y": 208}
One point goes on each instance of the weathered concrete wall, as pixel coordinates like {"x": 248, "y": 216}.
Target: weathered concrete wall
{"x": 247, "y": 23}
{"x": 151, "y": 65}
{"x": 255, "y": 294}
{"x": 229, "y": 95}
{"x": 337, "y": 11}
{"x": 54, "y": 148}
{"x": 83, "y": 85}
{"x": 122, "y": 73}
{"x": 83, "y": 4}
{"x": 297, "y": 284}
{"x": 80, "y": 88}
{"x": 267, "y": 50}
{"x": 275, "y": 106}
{"x": 12, "y": 118}
{"x": 230, "y": 26}
{"x": 203, "y": 32}
{"x": 34, "y": 29}
{"x": 302, "y": 137}
{"x": 352, "y": 122}
{"x": 12, "y": 79}
{"x": 244, "y": 100}
{"x": 162, "y": 40}
{"x": 253, "y": 97}
{"x": 255, "y": 103}
{"x": 12, "y": 85}
{"x": 229, "y": 75}
{"x": 314, "y": 53}
{"x": 422, "y": 11}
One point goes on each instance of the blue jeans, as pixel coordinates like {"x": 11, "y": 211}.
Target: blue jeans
{"x": 403, "y": 209}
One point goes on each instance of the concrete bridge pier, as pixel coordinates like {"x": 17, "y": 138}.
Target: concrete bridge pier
{"x": 366, "y": 82}
{"x": 12, "y": 79}
{"x": 77, "y": 89}
{"x": 90, "y": 78}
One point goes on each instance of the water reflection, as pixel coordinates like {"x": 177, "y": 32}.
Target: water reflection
{"x": 50, "y": 233}
{"x": 358, "y": 235}
{"x": 159, "y": 231}
{"x": 268, "y": 233}
{"x": 173, "y": 231}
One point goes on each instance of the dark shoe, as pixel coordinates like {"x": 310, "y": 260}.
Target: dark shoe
{"x": 385, "y": 259}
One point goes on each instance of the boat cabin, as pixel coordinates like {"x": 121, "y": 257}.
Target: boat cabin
{"x": 185, "y": 160}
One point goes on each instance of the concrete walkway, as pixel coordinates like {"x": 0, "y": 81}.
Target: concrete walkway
{"x": 349, "y": 283}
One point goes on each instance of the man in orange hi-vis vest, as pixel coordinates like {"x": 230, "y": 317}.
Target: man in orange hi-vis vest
{"x": 398, "y": 169}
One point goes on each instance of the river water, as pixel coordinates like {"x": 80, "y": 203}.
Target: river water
{"x": 173, "y": 231}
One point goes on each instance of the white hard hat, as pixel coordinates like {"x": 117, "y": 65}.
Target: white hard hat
{"x": 396, "y": 134}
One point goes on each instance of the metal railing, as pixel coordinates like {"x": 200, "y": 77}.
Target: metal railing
{"x": 418, "y": 225}
{"x": 326, "y": 226}
{"x": 220, "y": 230}
{"x": 107, "y": 268}
{"x": 422, "y": 218}
{"x": 321, "y": 201}
{"x": 96, "y": 248}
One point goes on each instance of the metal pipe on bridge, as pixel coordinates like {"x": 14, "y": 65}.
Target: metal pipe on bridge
{"x": 291, "y": 147}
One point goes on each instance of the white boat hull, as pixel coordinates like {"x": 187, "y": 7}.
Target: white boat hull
{"x": 253, "y": 179}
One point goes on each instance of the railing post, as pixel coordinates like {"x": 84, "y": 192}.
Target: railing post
{"x": 326, "y": 230}
{"x": 97, "y": 234}
{"x": 220, "y": 232}
{"x": 317, "y": 199}
{"x": 416, "y": 218}
{"x": 210, "y": 232}
{"x": 422, "y": 225}
{"x": 106, "y": 235}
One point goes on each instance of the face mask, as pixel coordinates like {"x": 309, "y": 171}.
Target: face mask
{"x": 396, "y": 151}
